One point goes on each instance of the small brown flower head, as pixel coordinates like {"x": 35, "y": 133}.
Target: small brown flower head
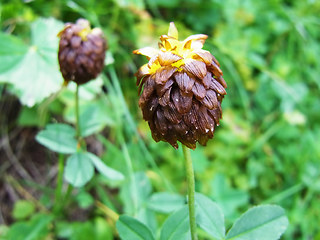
{"x": 182, "y": 90}
{"x": 81, "y": 52}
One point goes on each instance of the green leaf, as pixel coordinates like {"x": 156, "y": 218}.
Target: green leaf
{"x": 12, "y": 51}
{"x": 166, "y": 202}
{"x": 94, "y": 119}
{"x": 34, "y": 229}
{"x": 148, "y": 217}
{"x": 79, "y": 169}
{"x": 228, "y": 198}
{"x": 30, "y": 117}
{"x": 209, "y": 216}
{"x": 23, "y": 209}
{"x": 266, "y": 222}
{"x": 135, "y": 194}
{"x": 58, "y": 137}
{"x": 176, "y": 227}
{"x": 103, "y": 229}
{"x": 84, "y": 199}
{"x": 106, "y": 171}
{"x": 131, "y": 229}
{"x": 32, "y": 70}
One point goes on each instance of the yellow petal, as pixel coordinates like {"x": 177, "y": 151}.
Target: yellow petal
{"x": 149, "y": 52}
{"x": 142, "y": 71}
{"x": 204, "y": 55}
{"x": 195, "y": 41}
{"x": 167, "y": 58}
{"x": 173, "y": 32}
{"x": 68, "y": 25}
{"x": 168, "y": 42}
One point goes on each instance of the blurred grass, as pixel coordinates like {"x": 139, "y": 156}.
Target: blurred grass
{"x": 267, "y": 146}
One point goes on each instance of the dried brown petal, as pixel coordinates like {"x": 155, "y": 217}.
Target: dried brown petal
{"x": 198, "y": 90}
{"x": 182, "y": 102}
{"x": 172, "y": 114}
{"x": 161, "y": 122}
{"x": 222, "y": 81}
{"x": 215, "y": 69}
{"x": 149, "y": 107}
{"x": 197, "y": 68}
{"x": 81, "y": 52}
{"x": 75, "y": 42}
{"x": 218, "y": 87}
{"x": 161, "y": 89}
{"x": 184, "y": 82}
{"x": 215, "y": 60}
{"x": 148, "y": 88}
{"x": 210, "y": 100}
{"x": 165, "y": 99}
{"x": 215, "y": 114}
{"x": 207, "y": 80}
{"x": 163, "y": 74}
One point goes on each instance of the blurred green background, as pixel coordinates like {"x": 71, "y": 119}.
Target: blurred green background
{"x": 266, "y": 150}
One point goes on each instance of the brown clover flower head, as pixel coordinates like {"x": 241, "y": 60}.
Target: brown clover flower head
{"x": 182, "y": 89}
{"x": 81, "y": 52}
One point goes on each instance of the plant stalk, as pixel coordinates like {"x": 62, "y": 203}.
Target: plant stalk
{"x": 191, "y": 191}
{"x": 58, "y": 191}
{"x": 77, "y": 114}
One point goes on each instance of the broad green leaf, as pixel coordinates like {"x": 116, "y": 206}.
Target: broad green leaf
{"x": 30, "y": 117}
{"x": 148, "y": 217}
{"x": 103, "y": 229}
{"x": 84, "y": 199}
{"x": 82, "y": 231}
{"x": 228, "y": 198}
{"x": 176, "y": 227}
{"x": 94, "y": 119}
{"x": 33, "y": 70}
{"x": 79, "y": 169}
{"x": 143, "y": 187}
{"x": 58, "y": 137}
{"x": 209, "y": 216}
{"x": 166, "y": 202}
{"x": 12, "y": 51}
{"x": 23, "y": 209}
{"x": 106, "y": 171}
{"x": 34, "y": 229}
{"x": 266, "y": 222}
{"x": 135, "y": 193}
{"x": 130, "y": 228}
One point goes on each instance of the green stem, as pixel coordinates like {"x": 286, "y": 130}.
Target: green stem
{"x": 77, "y": 114}
{"x": 191, "y": 190}
{"x": 58, "y": 191}
{"x": 68, "y": 194}
{"x": 133, "y": 184}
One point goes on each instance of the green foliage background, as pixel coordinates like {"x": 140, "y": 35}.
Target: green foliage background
{"x": 266, "y": 149}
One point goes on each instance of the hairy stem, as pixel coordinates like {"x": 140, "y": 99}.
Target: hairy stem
{"x": 191, "y": 190}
